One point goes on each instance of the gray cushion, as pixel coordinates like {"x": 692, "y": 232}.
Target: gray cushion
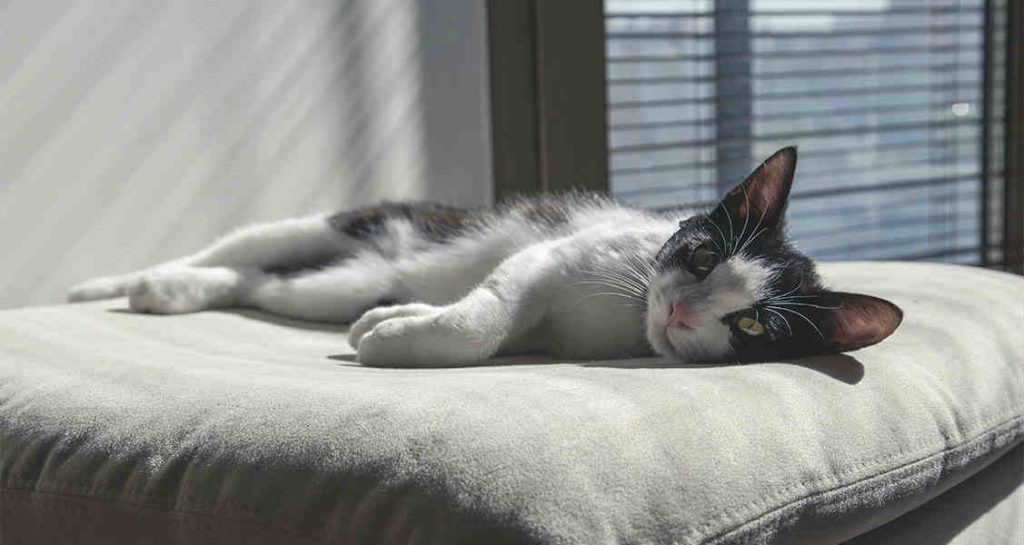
{"x": 227, "y": 426}
{"x": 987, "y": 509}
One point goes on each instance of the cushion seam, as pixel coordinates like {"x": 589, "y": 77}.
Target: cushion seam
{"x": 1013, "y": 428}
{"x": 155, "y": 509}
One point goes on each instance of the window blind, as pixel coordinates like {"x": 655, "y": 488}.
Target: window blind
{"x": 886, "y": 100}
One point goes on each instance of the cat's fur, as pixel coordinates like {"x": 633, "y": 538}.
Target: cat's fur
{"x": 577, "y": 276}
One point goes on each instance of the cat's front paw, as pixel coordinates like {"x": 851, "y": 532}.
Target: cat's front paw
{"x": 372, "y": 317}
{"x": 439, "y": 339}
{"x": 179, "y": 291}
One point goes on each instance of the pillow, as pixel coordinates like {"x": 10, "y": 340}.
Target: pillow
{"x": 986, "y": 509}
{"x": 238, "y": 427}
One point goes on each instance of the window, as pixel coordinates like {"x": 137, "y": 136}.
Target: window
{"x": 887, "y": 100}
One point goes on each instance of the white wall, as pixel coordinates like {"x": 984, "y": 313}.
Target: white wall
{"x": 132, "y": 132}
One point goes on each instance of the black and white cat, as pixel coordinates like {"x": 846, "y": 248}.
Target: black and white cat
{"x": 576, "y": 277}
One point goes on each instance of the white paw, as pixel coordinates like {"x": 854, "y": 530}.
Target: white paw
{"x": 372, "y": 317}
{"x": 435, "y": 340}
{"x": 407, "y": 342}
{"x": 100, "y": 288}
{"x": 178, "y": 291}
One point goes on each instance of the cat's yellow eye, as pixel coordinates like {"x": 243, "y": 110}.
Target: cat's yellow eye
{"x": 704, "y": 259}
{"x": 750, "y": 326}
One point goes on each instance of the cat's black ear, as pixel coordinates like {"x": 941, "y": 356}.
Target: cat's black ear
{"x": 852, "y": 320}
{"x": 762, "y": 197}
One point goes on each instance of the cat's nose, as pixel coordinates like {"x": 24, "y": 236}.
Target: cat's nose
{"x": 680, "y": 316}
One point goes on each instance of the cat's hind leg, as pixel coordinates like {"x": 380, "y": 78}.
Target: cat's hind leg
{"x": 298, "y": 241}
{"x": 189, "y": 289}
{"x": 339, "y": 293}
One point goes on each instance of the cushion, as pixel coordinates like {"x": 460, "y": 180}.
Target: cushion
{"x": 236, "y": 427}
{"x": 987, "y": 509}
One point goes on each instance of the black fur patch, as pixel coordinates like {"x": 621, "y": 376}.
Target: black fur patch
{"x": 436, "y": 222}
{"x": 296, "y": 268}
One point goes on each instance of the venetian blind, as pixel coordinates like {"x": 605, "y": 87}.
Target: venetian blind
{"x": 884, "y": 98}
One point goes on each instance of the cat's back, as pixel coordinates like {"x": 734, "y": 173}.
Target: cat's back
{"x": 532, "y": 218}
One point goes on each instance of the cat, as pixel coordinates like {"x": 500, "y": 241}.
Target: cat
{"x": 577, "y": 277}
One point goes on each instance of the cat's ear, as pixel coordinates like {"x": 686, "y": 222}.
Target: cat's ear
{"x": 762, "y": 197}
{"x": 851, "y": 320}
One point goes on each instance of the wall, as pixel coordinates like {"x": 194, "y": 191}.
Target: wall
{"x": 133, "y": 132}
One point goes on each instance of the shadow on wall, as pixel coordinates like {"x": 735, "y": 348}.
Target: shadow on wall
{"x": 135, "y": 133}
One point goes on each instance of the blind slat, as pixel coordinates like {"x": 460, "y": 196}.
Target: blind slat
{"x": 829, "y": 133}
{"x": 883, "y": 104}
{"x": 846, "y": 91}
{"x": 926, "y": 9}
{"x": 848, "y": 50}
{"x": 882, "y": 32}
{"x": 797, "y": 74}
{"x": 862, "y": 111}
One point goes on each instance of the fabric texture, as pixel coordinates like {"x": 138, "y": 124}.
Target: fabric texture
{"x": 987, "y": 509}
{"x": 235, "y": 422}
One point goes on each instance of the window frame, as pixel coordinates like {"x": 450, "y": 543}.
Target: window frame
{"x": 548, "y": 96}
{"x": 1013, "y": 153}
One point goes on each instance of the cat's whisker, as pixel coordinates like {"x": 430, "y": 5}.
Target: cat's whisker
{"x": 746, "y": 216}
{"x": 635, "y": 273}
{"x": 621, "y": 290}
{"x": 628, "y": 300}
{"x": 792, "y": 297}
{"x": 725, "y": 244}
{"x": 808, "y": 320}
{"x": 731, "y": 234}
{"x": 645, "y": 275}
{"x": 605, "y": 282}
{"x": 623, "y": 281}
{"x": 609, "y": 273}
{"x": 631, "y": 269}
{"x": 794, "y": 290}
{"x": 643, "y": 262}
{"x": 777, "y": 273}
{"x": 642, "y": 277}
{"x": 784, "y": 320}
{"x": 616, "y": 283}
{"x": 788, "y": 303}
{"x": 758, "y": 233}
{"x": 735, "y": 356}
{"x": 626, "y": 283}
{"x": 753, "y": 237}
{"x": 792, "y": 300}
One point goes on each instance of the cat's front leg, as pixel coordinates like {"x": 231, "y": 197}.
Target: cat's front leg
{"x": 465, "y": 332}
{"x": 503, "y": 308}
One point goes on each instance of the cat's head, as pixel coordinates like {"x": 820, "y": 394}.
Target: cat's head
{"x": 730, "y": 287}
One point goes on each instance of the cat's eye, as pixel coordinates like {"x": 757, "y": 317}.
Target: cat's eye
{"x": 750, "y": 326}
{"x": 704, "y": 259}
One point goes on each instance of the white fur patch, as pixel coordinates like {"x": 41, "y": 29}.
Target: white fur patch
{"x": 185, "y": 289}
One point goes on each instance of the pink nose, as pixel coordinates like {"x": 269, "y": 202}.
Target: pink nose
{"x": 680, "y": 316}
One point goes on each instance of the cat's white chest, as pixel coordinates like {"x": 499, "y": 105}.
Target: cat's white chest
{"x": 595, "y": 300}
{"x": 593, "y": 325}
